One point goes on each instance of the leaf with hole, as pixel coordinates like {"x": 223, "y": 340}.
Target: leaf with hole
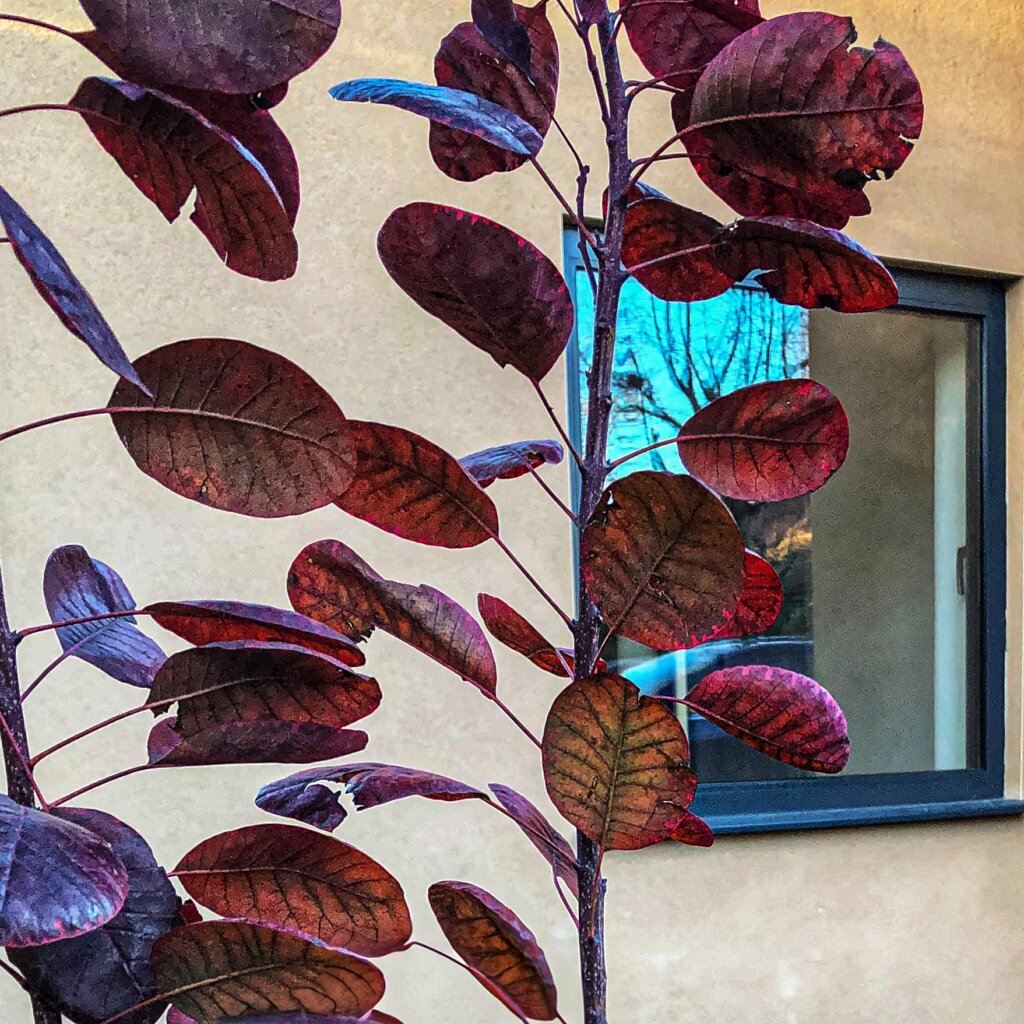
{"x": 76, "y": 586}
{"x": 410, "y": 487}
{"x": 227, "y": 969}
{"x": 208, "y": 622}
{"x": 508, "y": 627}
{"x": 232, "y": 46}
{"x": 63, "y": 292}
{"x": 616, "y": 763}
{"x": 248, "y": 681}
{"x": 300, "y": 881}
{"x": 466, "y": 60}
{"x": 498, "y": 946}
{"x": 305, "y": 797}
{"x": 106, "y": 971}
{"x": 331, "y": 583}
{"x": 509, "y": 461}
{"x": 58, "y": 880}
{"x": 792, "y": 120}
{"x": 236, "y": 427}
{"x": 767, "y": 442}
{"x": 663, "y": 560}
{"x": 759, "y": 602}
{"x": 498, "y": 291}
{"x": 453, "y": 108}
{"x": 170, "y": 151}
{"x": 782, "y": 714}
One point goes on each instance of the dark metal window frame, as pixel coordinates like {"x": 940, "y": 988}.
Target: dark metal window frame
{"x": 832, "y": 801}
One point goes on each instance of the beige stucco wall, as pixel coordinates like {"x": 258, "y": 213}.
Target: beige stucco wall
{"x": 915, "y": 923}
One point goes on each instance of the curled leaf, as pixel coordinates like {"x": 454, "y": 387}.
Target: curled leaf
{"x": 498, "y": 946}
{"x": 782, "y": 714}
{"x": 410, "y": 487}
{"x": 767, "y": 442}
{"x": 300, "y": 881}
{"x": 331, "y": 583}
{"x": 663, "y": 560}
{"x": 76, "y": 586}
{"x": 759, "y": 603}
{"x": 219, "y": 969}
{"x": 508, "y": 461}
{"x": 616, "y": 763}
{"x": 498, "y": 291}
{"x": 235, "y": 427}
{"x": 507, "y": 626}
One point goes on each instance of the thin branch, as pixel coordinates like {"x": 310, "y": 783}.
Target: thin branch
{"x": 572, "y": 17}
{"x": 58, "y": 661}
{"x": 640, "y": 166}
{"x": 642, "y": 451}
{"x": 569, "y": 446}
{"x": 96, "y": 785}
{"x": 549, "y": 491}
{"x": 28, "y": 108}
{"x": 20, "y": 754}
{"x": 573, "y": 916}
{"x": 99, "y": 726}
{"x": 513, "y": 718}
{"x": 35, "y": 23}
{"x": 16, "y": 975}
{"x": 671, "y": 256}
{"x": 532, "y": 579}
{"x": 595, "y": 74}
{"x": 566, "y": 205}
{"x": 83, "y": 621}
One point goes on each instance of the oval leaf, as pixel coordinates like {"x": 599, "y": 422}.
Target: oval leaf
{"x": 63, "y": 292}
{"x": 234, "y": 46}
{"x": 783, "y": 714}
{"x": 288, "y": 877}
{"x": 247, "y": 681}
{"x": 235, "y": 427}
{"x": 76, "y": 586}
{"x": 305, "y": 797}
{"x": 106, "y": 972}
{"x": 693, "y": 831}
{"x": 498, "y": 946}
{"x": 508, "y": 627}
{"x": 453, "y": 108}
{"x": 791, "y": 119}
{"x": 466, "y": 61}
{"x": 767, "y": 442}
{"x": 170, "y": 151}
{"x": 57, "y": 880}
{"x": 219, "y": 969}
{"x": 251, "y": 743}
{"x": 410, "y": 487}
{"x": 331, "y": 583}
{"x": 509, "y": 461}
{"x": 759, "y": 602}
{"x": 616, "y": 763}
{"x": 498, "y": 291}
{"x": 663, "y": 560}
{"x": 207, "y": 622}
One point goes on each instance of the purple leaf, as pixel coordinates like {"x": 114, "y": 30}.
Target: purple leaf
{"x": 105, "y": 972}
{"x": 57, "y": 880}
{"x": 76, "y": 586}
{"x": 508, "y": 461}
{"x": 499, "y": 25}
{"x": 450, "y": 107}
{"x": 63, "y": 292}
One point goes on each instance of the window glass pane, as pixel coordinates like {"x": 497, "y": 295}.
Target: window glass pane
{"x": 879, "y": 567}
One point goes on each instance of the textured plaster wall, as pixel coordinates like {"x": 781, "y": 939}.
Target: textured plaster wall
{"x": 916, "y": 924}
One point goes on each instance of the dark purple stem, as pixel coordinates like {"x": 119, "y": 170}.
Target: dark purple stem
{"x": 36, "y": 23}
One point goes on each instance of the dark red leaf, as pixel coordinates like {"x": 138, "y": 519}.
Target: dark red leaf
{"x": 508, "y": 461}
{"x": 767, "y": 442}
{"x": 235, "y": 427}
{"x": 792, "y": 120}
{"x": 59, "y": 880}
{"x": 207, "y": 622}
{"x": 498, "y": 946}
{"x": 410, "y": 487}
{"x": 234, "y": 46}
{"x": 507, "y": 626}
{"x": 76, "y": 586}
{"x": 331, "y": 583}
{"x": 301, "y": 881}
{"x": 759, "y": 602}
{"x": 550, "y": 843}
{"x": 693, "y": 831}
{"x": 663, "y": 560}
{"x": 465, "y": 60}
{"x": 105, "y": 972}
{"x": 170, "y": 151}
{"x": 175, "y": 1016}
{"x": 252, "y": 743}
{"x": 376, "y": 1017}
{"x": 190, "y": 913}
{"x": 454, "y": 108}
{"x": 616, "y": 763}
{"x": 498, "y": 24}
{"x": 248, "y": 681}
{"x": 782, "y": 714}
{"x": 63, "y": 292}
{"x": 304, "y": 797}
{"x": 230, "y": 968}
{"x": 498, "y": 291}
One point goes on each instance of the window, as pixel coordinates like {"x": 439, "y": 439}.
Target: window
{"x": 894, "y": 572}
